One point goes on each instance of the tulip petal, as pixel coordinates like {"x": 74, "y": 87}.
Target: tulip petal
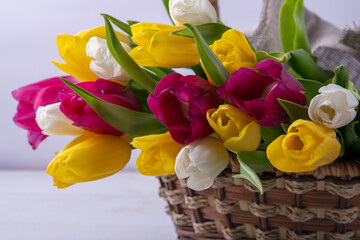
{"x": 158, "y": 48}
{"x": 257, "y": 93}
{"x": 236, "y": 129}
{"x": 184, "y": 48}
{"x": 148, "y": 165}
{"x": 53, "y": 122}
{"x": 276, "y": 70}
{"x": 278, "y": 159}
{"x": 238, "y": 39}
{"x": 195, "y": 12}
{"x": 202, "y": 161}
{"x": 274, "y": 114}
{"x": 306, "y": 146}
{"x": 89, "y": 157}
{"x": 234, "y": 51}
{"x": 142, "y": 56}
{"x": 334, "y": 106}
{"x": 172, "y": 80}
{"x": 325, "y": 153}
{"x": 30, "y": 98}
{"x": 158, "y": 154}
{"x": 200, "y": 181}
{"x": 248, "y": 84}
{"x": 101, "y": 33}
{"x": 83, "y": 115}
{"x": 182, "y": 164}
{"x": 181, "y": 104}
{"x": 72, "y": 49}
{"x": 248, "y": 140}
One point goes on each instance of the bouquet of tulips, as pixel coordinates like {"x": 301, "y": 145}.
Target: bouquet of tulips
{"x": 123, "y": 91}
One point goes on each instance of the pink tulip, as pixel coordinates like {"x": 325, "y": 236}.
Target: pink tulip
{"x": 31, "y": 97}
{"x": 181, "y": 102}
{"x": 76, "y": 109}
{"x": 257, "y": 93}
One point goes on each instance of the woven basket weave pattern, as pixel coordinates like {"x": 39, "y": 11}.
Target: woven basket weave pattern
{"x": 323, "y": 204}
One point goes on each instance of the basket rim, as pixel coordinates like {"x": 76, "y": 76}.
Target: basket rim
{"x": 342, "y": 168}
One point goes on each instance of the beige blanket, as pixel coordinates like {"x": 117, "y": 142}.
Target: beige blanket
{"x": 330, "y": 44}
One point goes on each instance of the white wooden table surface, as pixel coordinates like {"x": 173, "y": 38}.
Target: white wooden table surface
{"x": 124, "y": 206}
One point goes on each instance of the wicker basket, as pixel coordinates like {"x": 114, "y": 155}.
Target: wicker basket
{"x": 323, "y": 204}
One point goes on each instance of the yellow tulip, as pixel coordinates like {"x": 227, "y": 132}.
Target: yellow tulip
{"x": 236, "y": 129}
{"x": 306, "y": 146}
{"x": 234, "y": 51}
{"x": 89, "y": 157}
{"x": 157, "y": 48}
{"x": 158, "y": 154}
{"x": 72, "y": 49}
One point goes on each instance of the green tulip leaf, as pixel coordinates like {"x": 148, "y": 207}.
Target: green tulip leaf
{"x": 121, "y": 118}
{"x": 123, "y": 26}
{"x": 166, "y": 5}
{"x": 341, "y": 77}
{"x": 256, "y": 160}
{"x": 292, "y": 28}
{"x": 311, "y": 88}
{"x": 247, "y": 173}
{"x": 212, "y": 64}
{"x": 287, "y": 26}
{"x": 352, "y": 89}
{"x": 351, "y": 136}
{"x": 269, "y": 134}
{"x": 277, "y": 56}
{"x": 160, "y": 72}
{"x": 209, "y": 31}
{"x": 132, "y": 22}
{"x": 303, "y": 64}
{"x": 340, "y": 138}
{"x": 140, "y": 94}
{"x": 153, "y": 75}
{"x": 294, "y": 110}
{"x": 125, "y": 61}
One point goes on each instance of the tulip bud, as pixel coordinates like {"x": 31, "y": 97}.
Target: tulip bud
{"x": 30, "y": 98}
{"x": 157, "y": 47}
{"x": 306, "y": 146}
{"x": 158, "y": 154}
{"x": 89, "y": 157}
{"x": 181, "y": 102}
{"x": 334, "y": 106}
{"x": 104, "y": 64}
{"x": 192, "y": 12}
{"x": 72, "y": 50}
{"x": 84, "y": 116}
{"x": 202, "y": 161}
{"x": 53, "y": 122}
{"x": 256, "y": 93}
{"x": 236, "y": 129}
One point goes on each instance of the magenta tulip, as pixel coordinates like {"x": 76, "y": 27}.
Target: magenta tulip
{"x": 257, "y": 93}
{"x": 181, "y": 102}
{"x": 31, "y": 97}
{"x": 76, "y": 109}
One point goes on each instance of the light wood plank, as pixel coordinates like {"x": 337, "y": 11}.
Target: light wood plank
{"x": 123, "y": 206}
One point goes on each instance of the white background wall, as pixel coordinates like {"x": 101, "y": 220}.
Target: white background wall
{"x": 27, "y": 44}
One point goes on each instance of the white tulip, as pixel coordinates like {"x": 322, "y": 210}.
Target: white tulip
{"x": 192, "y": 12}
{"x": 104, "y": 64}
{"x": 53, "y": 122}
{"x": 201, "y": 161}
{"x": 334, "y": 106}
